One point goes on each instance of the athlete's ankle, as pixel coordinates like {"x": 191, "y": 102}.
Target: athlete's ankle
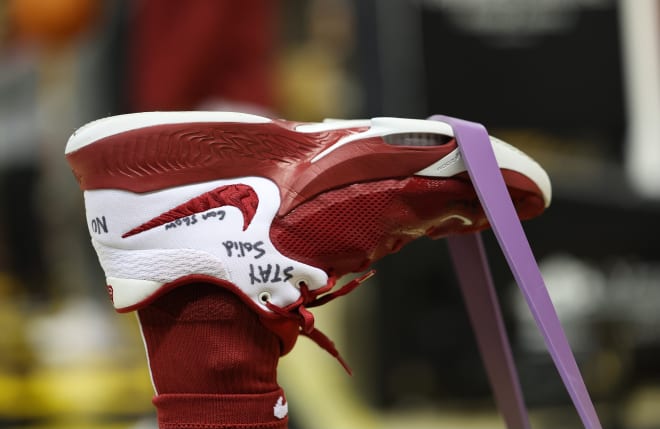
{"x": 211, "y": 360}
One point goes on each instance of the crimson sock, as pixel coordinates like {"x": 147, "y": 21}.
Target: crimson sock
{"x": 213, "y": 363}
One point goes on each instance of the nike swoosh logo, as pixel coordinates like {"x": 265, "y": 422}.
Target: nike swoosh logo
{"x": 281, "y": 408}
{"x": 242, "y": 197}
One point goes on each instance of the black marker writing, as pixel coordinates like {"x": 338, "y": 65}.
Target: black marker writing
{"x": 192, "y": 219}
{"x": 220, "y": 214}
{"x": 241, "y": 248}
{"x": 185, "y": 221}
{"x": 100, "y": 225}
{"x": 269, "y": 273}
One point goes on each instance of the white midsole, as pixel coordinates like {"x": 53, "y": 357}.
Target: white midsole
{"x": 507, "y": 156}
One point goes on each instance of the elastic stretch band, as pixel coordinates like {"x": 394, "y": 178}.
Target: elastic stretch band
{"x": 476, "y": 150}
{"x": 474, "y": 277}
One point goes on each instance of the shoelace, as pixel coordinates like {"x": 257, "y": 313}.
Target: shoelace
{"x": 299, "y": 312}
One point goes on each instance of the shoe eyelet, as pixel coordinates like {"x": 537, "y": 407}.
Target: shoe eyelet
{"x": 264, "y": 297}
{"x": 300, "y": 282}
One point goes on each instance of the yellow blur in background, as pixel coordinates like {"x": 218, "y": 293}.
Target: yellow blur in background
{"x": 68, "y": 361}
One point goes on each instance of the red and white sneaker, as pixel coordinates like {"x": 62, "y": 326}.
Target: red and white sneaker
{"x": 273, "y": 211}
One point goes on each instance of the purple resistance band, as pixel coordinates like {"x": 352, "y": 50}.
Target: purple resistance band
{"x": 471, "y": 266}
{"x": 479, "y": 158}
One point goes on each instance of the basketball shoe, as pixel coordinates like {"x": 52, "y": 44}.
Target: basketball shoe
{"x": 258, "y": 218}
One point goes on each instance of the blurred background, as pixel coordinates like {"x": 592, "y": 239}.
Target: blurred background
{"x": 574, "y": 84}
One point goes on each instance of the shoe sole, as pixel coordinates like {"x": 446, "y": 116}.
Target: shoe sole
{"x": 508, "y": 157}
{"x": 148, "y": 181}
